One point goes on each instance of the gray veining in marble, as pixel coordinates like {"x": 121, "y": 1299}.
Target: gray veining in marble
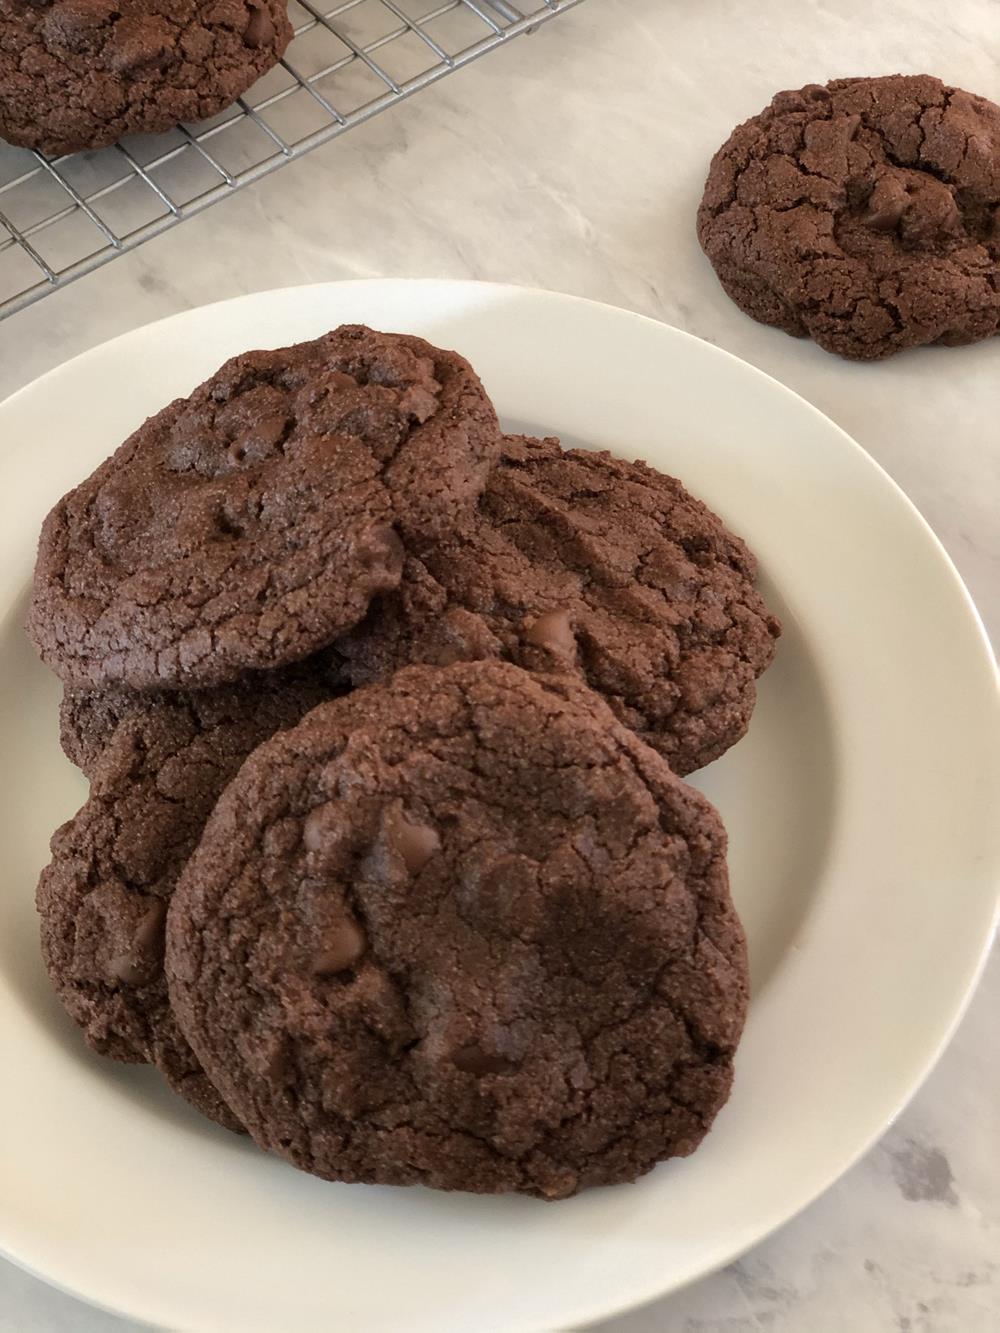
{"x": 574, "y": 160}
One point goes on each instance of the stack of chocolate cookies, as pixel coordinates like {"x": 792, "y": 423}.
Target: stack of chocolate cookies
{"x": 388, "y": 860}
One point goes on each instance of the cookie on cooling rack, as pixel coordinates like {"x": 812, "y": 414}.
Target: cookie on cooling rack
{"x": 250, "y": 524}
{"x": 157, "y": 763}
{"x": 863, "y": 214}
{"x": 80, "y": 74}
{"x": 588, "y": 563}
{"x": 462, "y": 930}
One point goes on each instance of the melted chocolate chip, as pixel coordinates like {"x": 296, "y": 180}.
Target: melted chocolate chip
{"x": 260, "y": 30}
{"x": 380, "y": 547}
{"x": 553, "y": 632}
{"x": 342, "y": 949}
{"x": 321, "y": 827}
{"x": 263, "y": 439}
{"x": 128, "y": 970}
{"x": 414, "y": 843}
{"x": 887, "y": 203}
{"x": 141, "y": 962}
{"x": 922, "y": 210}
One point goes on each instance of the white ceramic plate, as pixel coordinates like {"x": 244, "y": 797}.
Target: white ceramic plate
{"x": 861, "y": 808}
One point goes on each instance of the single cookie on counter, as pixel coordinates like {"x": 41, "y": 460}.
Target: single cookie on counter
{"x": 157, "y": 763}
{"x": 80, "y": 74}
{"x": 864, "y": 215}
{"x": 250, "y": 524}
{"x": 463, "y": 930}
{"x": 588, "y": 563}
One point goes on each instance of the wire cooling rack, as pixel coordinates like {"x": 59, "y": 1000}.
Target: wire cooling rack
{"x": 62, "y": 217}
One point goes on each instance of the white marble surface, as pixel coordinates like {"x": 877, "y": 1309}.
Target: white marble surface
{"x": 574, "y": 160}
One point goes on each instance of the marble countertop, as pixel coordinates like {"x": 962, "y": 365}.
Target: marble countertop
{"x": 574, "y": 160}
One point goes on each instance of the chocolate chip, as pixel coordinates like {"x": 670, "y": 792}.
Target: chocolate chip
{"x": 419, "y": 403}
{"x": 933, "y": 216}
{"x": 886, "y": 205}
{"x": 923, "y": 210}
{"x": 380, "y": 546}
{"x": 139, "y": 964}
{"x": 321, "y": 825}
{"x": 413, "y": 843}
{"x": 260, "y": 30}
{"x": 473, "y": 1059}
{"x": 139, "y": 45}
{"x": 553, "y": 632}
{"x": 128, "y": 970}
{"x": 264, "y": 439}
{"x": 342, "y": 948}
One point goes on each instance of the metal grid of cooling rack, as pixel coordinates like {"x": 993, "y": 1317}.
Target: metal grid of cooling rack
{"x": 61, "y": 218}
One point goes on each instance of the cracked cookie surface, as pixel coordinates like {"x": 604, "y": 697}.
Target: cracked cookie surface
{"x": 587, "y": 563}
{"x": 157, "y": 763}
{"x": 248, "y": 525}
{"x": 80, "y": 74}
{"x": 864, "y": 214}
{"x": 463, "y": 930}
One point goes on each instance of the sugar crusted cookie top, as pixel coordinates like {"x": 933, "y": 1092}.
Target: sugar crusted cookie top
{"x": 588, "y": 563}
{"x": 863, "y": 214}
{"x": 248, "y": 525}
{"x": 463, "y": 930}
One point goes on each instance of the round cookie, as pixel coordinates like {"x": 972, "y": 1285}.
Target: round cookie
{"x": 582, "y": 561}
{"x": 157, "y": 764}
{"x": 79, "y": 74}
{"x": 463, "y": 930}
{"x": 250, "y": 524}
{"x": 864, "y": 215}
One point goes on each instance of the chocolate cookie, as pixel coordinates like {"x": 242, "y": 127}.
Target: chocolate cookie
{"x": 78, "y": 74}
{"x": 157, "y": 763}
{"x": 250, "y": 524}
{"x": 585, "y": 562}
{"x": 463, "y": 930}
{"x": 864, "y": 215}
